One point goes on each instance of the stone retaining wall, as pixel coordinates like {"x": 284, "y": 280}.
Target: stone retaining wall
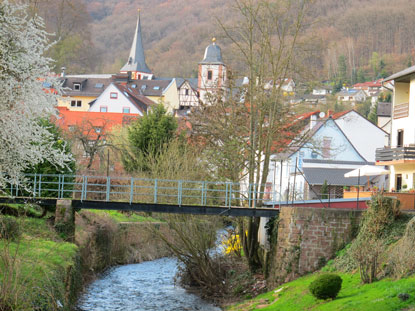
{"x": 308, "y": 237}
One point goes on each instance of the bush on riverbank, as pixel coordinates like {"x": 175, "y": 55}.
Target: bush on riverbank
{"x": 206, "y": 268}
{"x": 353, "y": 296}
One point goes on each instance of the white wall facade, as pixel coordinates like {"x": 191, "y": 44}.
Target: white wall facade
{"x": 207, "y": 85}
{"x": 114, "y": 104}
{"x": 404, "y": 93}
{"x": 190, "y": 99}
{"x": 365, "y": 135}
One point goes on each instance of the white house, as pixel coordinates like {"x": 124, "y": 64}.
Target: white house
{"x": 351, "y": 95}
{"x": 188, "y": 96}
{"x": 325, "y": 90}
{"x": 336, "y": 144}
{"x": 399, "y": 154}
{"x": 121, "y": 99}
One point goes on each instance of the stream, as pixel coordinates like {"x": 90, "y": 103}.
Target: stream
{"x": 145, "y": 286}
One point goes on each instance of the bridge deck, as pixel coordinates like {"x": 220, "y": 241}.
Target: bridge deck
{"x": 154, "y": 208}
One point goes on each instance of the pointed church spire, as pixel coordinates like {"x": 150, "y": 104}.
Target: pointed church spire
{"x": 136, "y": 61}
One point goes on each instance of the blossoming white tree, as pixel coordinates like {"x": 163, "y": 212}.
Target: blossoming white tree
{"x": 25, "y": 96}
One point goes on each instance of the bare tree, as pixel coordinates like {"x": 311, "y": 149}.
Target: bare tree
{"x": 249, "y": 127}
{"x": 92, "y": 137}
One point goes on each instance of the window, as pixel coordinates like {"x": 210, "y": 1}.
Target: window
{"x": 326, "y": 147}
{"x": 209, "y": 74}
{"x": 77, "y": 86}
{"x": 399, "y": 140}
{"x": 97, "y": 129}
{"x": 103, "y": 109}
{"x": 156, "y": 87}
{"x": 186, "y": 92}
{"x": 99, "y": 85}
{"x": 113, "y": 95}
{"x": 76, "y": 103}
{"x": 125, "y": 109}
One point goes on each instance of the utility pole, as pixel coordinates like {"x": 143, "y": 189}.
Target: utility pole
{"x": 108, "y": 162}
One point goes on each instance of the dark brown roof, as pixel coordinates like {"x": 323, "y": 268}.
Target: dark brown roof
{"x": 384, "y": 109}
{"x": 140, "y": 101}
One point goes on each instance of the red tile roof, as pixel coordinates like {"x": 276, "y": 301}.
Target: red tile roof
{"x": 340, "y": 114}
{"x": 363, "y": 85}
{"x": 69, "y": 118}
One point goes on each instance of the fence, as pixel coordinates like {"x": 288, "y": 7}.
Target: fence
{"x": 287, "y": 184}
{"x": 137, "y": 190}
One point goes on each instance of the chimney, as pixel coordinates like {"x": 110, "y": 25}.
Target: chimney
{"x": 313, "y": 121}
{"x": 329, "y": 113}
{"x": 63, "y": 72}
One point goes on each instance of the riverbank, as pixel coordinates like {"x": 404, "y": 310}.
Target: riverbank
{"x": 39, "y": 270}
{"x": 377, "y": 268}
{"x": 354, "y": 296}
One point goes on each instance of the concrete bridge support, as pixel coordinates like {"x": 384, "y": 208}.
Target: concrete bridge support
{"x": 308, "y": 237}
{"x": 65, "y": 219}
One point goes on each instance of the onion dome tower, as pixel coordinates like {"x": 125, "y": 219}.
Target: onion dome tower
{"x": 212, "y": 71}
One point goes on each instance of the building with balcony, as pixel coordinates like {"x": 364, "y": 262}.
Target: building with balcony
{"x": 399, "y": 153}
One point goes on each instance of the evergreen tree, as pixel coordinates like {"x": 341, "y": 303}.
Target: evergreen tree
{"x": 342, "y": 71}
{"x": 360, "y": 76}
{"x": 374, "y": 63}
{"x": 57, "y": 142}
{"x": 373, "y": 116}
{"x": 146, "y": 138}
{"x": 364, "y": 108}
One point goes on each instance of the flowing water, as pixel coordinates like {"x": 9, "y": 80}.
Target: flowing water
{"x": 145, "y": 286}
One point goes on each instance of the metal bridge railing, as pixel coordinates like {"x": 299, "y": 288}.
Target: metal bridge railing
{"x": 140, "y": 190}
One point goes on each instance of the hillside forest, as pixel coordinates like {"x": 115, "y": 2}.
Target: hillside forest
{"x": 352, "y": 40}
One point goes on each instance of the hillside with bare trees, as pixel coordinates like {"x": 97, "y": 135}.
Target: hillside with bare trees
{"x": 360, "y": 39}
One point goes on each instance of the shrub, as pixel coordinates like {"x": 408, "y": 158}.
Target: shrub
{"x": 9, "y": 228}
{"x": 374, "y": 230}
{"x": 326, "y": 286}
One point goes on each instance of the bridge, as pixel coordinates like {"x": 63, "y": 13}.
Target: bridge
{"x": 141, "y": 195}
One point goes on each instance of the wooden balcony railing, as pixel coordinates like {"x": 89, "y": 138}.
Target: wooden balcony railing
{"x": 395, "y": 154}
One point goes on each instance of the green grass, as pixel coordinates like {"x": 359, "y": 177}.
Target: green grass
{"x": 24, "y": 209}
{"x": 124, "y": 217}
{"x": 40, "y": 261}
{"x": 378, "y": 296}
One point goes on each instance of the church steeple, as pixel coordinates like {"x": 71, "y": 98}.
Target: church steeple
{"x": 212, "y": 71}
{"x": 136, "y": 62}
